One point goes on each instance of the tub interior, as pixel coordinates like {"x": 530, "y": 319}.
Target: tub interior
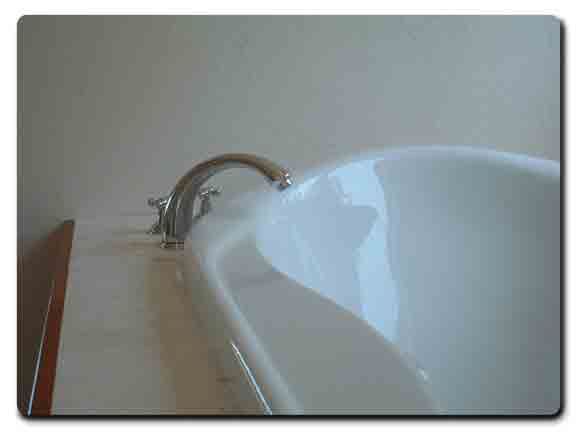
{"x": 456, "y": 264}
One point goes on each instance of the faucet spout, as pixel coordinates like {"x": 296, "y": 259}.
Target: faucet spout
{"x": 179, "y": 210}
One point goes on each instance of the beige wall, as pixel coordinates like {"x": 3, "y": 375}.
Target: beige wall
{"x": 115, "y": 109}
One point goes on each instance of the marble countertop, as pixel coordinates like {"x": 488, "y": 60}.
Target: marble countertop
{"x": 129, "y": 341}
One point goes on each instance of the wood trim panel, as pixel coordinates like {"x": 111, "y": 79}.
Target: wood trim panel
{"x": 41, "y": 398}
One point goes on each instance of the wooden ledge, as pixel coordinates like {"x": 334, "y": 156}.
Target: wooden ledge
{"x": 41, "y": 398}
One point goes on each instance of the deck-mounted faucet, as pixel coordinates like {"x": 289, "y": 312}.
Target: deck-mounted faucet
{"x": 176, "y": 212}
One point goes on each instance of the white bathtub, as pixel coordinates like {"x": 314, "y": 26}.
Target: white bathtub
{"x": 424, "y": 280}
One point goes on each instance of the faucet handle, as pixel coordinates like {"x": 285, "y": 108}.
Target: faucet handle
{"x": 209, "y": 191}
{"x": 160, "y": 205}
{"x": 205, "y": 195}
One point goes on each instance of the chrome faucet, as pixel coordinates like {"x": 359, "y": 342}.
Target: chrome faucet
{"x": 176, "y": 211}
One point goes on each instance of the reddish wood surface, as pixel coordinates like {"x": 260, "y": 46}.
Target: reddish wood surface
{"x": 42, "y": 395}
